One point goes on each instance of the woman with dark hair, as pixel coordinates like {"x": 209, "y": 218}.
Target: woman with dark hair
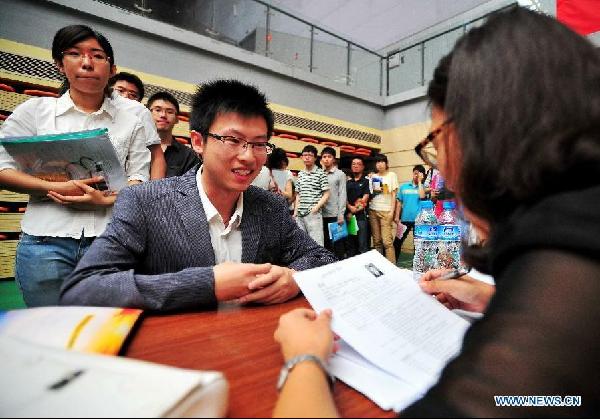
{"x": 63, "y": 218}
{"x": 277, "y": 163}
{"x": 516, "y": 133}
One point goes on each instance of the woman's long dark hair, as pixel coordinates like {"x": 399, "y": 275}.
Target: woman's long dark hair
{"x": 68, "y": 36}
{"x": 523, "y": 92}
{"x": 524, "y": 95}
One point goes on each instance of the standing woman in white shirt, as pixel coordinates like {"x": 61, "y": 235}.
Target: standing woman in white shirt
{"x": 63, "y": 218}
{"x": 382, "y": 208}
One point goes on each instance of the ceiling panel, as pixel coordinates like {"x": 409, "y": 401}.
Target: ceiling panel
{"x": 376, "y": 24}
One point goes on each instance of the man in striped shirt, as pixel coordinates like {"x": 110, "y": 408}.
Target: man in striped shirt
{"x": 313, "y": 192}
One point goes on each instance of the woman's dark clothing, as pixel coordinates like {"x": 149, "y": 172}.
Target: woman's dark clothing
{"x": 540, "y": 335}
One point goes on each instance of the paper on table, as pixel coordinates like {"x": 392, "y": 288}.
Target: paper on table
{"x": 382, "y": 313}
{"x": 41, "y": 381}
{"x": 386, "y": 390}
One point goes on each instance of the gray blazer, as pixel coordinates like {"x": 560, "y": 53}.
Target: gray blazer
{"x": 156, "y": 253}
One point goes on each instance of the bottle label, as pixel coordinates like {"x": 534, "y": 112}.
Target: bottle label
{"x": 426, "y": 232}
{"x": 449, "y": 232}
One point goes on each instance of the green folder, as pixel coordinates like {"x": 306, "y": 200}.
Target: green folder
{"x": 353, "y": 226}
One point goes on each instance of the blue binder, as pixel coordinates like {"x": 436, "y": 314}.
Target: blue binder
{"x": 337, "y": 231}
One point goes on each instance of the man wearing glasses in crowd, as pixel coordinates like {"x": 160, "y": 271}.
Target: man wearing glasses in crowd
{"x": 130, "y": 86}
{"x": 190, "y": 241}
{"x": 179, "y": 158}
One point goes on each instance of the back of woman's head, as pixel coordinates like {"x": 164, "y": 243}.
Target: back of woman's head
{"x": 68, "y": 36}
{"x": 277, "y": 159}
{"x": 524, "y": 96}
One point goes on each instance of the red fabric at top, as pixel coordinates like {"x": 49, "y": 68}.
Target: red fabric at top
{"x": 583, "y": 16}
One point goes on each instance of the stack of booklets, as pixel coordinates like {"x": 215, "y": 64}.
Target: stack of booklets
{"x": 59, "y": 362}
{"x": 396, "y": 339}
{"x": 72, "y": 155}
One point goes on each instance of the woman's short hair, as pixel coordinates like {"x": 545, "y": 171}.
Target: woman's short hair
{"x": 68, "y": 36}
{"x": 524, "y": 97}
{"x": 381, "y": 158}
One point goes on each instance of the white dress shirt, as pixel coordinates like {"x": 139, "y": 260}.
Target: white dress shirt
{"x": 226, "y": 241}
{"x": 47, "y": 115}
{"x": 142, "y": 113}
{"x": 263, "y": 179}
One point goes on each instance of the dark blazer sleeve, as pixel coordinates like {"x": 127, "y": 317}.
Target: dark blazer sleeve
{"x": 109, "y": 274}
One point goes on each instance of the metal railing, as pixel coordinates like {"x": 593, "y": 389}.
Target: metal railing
{"x": 264, "y": 29}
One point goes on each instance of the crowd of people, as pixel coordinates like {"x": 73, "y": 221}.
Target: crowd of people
{"x": 510, "y": 127}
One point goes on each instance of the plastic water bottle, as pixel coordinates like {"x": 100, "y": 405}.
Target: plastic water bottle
{"x": 426, "y": 229}
{"x": 449, "y": 237}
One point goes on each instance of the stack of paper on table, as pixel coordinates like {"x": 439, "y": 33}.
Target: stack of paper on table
{"x": 50, "y": 366}
{"x": 396, "y": 339}
{"x": 40, "y": 381}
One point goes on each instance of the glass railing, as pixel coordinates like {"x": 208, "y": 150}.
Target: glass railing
{"x": 266, "y": 30}
{"x": 413, "y": 66}
{"x": 261, "y": 28}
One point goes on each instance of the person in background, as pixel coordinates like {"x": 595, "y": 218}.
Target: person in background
{"x": 357, "y": 188}
{"x": 165, "y": 108}
{"x": 59, "y": 230}
{"x": 335, "y": 207}
{"x": 382, "y": 208}
{"x": 188, "y": 242}
{"x": 129, "y": 86}
{"x": 313, "y": 192}
{"x": 409, "y": 203}
{"x": 435, "y": 187}
{"x": 513, "y": 177}
{"x": 264, "y": 180}
{"x": 283, "y": 178}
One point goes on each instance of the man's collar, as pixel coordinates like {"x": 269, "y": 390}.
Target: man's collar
{"x": 210, "y": 210}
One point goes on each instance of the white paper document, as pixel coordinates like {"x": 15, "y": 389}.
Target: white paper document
{"x": 41, "y": 381}
{"x": 402, "y": 338}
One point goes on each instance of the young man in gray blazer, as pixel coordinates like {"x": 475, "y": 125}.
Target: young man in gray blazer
{"x": 190, "y": 241}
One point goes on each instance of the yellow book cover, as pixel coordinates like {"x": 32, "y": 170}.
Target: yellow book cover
{"x": 100, "y": 330}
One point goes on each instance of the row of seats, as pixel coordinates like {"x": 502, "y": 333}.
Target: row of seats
{"x": 12, "y": 207}
{"x": 30, "y": 92}
{"x": 182, "y": 137}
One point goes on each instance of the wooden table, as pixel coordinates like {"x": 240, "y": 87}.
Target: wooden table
{"x": 237, "y": 341}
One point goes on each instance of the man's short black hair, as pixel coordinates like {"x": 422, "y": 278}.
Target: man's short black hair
{"x": 328, "y": 150}
{"x": 130, "y": 78}
{"x": 310, "y": 149}
{"x": 218, "y": 97}
{"x": 358, "y": 158}
{"x": 166, "y": 96}
{"x": 420, "y": 168}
